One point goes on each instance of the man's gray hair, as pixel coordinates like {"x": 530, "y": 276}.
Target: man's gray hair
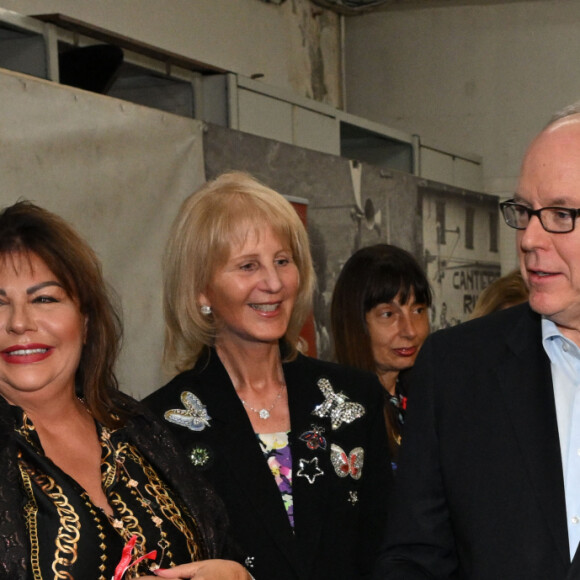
{"x": 572, "y": 109}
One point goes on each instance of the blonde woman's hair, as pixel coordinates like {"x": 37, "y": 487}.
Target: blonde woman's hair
{"x": 503, "y": 292}
{"x": 210, "y": 221}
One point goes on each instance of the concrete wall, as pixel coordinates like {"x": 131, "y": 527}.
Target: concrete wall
{"x": 295, "y": 46}
{"x": 479, "y": 79}
{"x": 476, "y": 78}
{"x": 483, "y": 79}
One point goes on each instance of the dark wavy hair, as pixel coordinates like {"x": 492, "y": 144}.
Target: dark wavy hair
{"x": 372, "y": 275}
{"x": 28, "y": 229}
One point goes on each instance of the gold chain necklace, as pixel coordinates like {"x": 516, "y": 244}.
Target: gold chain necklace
{"x": 119, "y": 461}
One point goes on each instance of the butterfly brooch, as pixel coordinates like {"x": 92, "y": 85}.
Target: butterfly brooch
{"x": 337, "y": 406}
{"x": 347, "y": 464}
{"x": 194, "y": 416}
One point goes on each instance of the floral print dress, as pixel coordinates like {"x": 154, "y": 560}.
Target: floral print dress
{"x": 277, "y": 453}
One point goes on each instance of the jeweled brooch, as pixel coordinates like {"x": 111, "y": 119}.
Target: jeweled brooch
{"x": 200, "y": 456}
{"x": 347, "y": 464}
{"x": 314, "y": 438}
{"x": 194, "y": 416}
{"x": 337, "y": 406}
{"x": 309, "y": 469}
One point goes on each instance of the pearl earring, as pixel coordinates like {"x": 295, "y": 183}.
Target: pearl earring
{"x": 205, "y": 309}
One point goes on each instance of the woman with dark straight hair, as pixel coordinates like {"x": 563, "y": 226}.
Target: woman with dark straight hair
{"x": 379, "y": 317}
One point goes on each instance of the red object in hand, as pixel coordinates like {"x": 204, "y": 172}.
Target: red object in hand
{"x": 125, "y": 562}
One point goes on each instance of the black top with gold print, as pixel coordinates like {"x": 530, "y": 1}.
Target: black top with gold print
{"x": 70, "y": 538}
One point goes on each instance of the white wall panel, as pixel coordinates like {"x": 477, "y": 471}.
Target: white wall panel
{"x": 264, "y": 116}
{"x": 467, "y": 174}
{"x": 316, "y": 131}
{"x": 436, "y": 166}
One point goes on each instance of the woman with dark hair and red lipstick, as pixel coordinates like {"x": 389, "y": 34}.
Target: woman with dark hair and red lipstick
{"x": 92, "y": 486}
{"x": 295, "y": 446}
{"x": 380, "y": 319}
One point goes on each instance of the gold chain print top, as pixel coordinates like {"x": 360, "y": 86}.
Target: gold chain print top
{"x": 72, "y": 539}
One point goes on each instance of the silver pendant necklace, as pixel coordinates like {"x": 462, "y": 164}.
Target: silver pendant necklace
{"x": 265, "y": 413}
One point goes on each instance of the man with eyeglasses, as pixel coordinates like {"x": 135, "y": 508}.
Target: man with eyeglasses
{"x": 488, "y": 481}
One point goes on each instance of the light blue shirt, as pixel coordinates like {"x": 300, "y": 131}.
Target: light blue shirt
{"x": 564, "y": 356}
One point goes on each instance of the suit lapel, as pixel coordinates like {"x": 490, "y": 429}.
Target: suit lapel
{"x": 311, "y": 500}
{"x": 526, "y": 385}
{"x": 252, "y": 474}
{"x": 233, "y": 435}
{"x": 574, "y": 571}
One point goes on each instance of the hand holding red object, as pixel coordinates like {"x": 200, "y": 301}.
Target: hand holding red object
{"x": 125, "y": 562}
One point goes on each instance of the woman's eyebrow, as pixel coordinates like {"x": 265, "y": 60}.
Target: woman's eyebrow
{"x": 42, "y": 285}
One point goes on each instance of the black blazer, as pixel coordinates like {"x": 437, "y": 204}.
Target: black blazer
{"x": 479, "y": 489}
{"x": 336, "y": 518}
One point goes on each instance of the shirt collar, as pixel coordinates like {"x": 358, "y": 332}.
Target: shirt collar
{"x": 552, "y": 338}
{"x": 550, "y": 330}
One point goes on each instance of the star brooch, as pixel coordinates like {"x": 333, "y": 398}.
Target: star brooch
{"x": 309, "y": 469}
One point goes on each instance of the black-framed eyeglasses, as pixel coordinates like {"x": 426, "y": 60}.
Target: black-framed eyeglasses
{"x": 556, "y": 220}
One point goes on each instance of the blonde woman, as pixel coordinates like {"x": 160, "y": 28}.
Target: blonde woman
{"x": 295, "y": 446}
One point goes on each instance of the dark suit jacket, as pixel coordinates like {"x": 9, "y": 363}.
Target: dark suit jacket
{"x": 336, "y": 518}
{"x": 479, "y": 489}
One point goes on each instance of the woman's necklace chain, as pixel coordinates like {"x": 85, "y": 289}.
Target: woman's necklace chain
{"x": 119, "y": 459}
{"x": 264, "y": 413}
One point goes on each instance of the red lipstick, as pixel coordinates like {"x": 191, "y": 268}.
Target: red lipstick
{"x": 26, "y": 353}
